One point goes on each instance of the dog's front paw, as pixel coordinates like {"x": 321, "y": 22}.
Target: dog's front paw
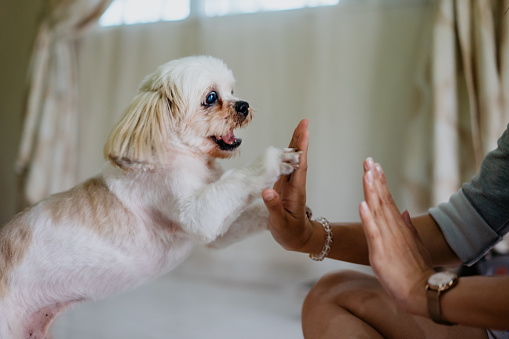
{"x": 290, "y": 160}
{"x": 275, "y": 162}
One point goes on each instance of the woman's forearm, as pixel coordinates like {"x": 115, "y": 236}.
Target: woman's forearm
{"x": 434, "y": 241}
{"x": 478, "y": 301}
{"x": 349, "y": 242}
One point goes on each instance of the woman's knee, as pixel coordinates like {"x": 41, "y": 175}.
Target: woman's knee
{"x": 342, "y": 288}
{"x": 339, "y": 282}
{"x": 337, "y": 303}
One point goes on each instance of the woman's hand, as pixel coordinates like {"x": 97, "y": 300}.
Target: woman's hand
{"x": 286, "y": 202}
{"x": 396, "y": 252}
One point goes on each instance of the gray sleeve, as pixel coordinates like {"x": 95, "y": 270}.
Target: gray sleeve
{"x": 477, "y": 217}
{"x": 469, "y": 236}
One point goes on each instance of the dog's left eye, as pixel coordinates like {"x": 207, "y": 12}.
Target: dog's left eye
{"x": 211, "y": 98}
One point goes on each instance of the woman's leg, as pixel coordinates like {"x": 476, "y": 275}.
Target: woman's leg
{"x": 351, "y": 304}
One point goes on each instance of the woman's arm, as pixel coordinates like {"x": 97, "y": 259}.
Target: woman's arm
{"x": 478, "y": 301}
{"x": 349, "y": 242}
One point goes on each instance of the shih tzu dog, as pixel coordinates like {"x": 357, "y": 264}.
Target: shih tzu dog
{"x": 159, "y": 194}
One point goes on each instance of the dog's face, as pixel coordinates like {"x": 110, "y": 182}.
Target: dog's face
{"x": 207, "y": 109}
{"x": 187, "y": 103}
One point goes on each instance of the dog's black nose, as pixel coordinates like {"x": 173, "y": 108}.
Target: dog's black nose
{"x": 242, "y": 107}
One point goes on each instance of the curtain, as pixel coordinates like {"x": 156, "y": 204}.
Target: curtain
{"x": 463, "y": 97}
{"x": 48, "y": 151}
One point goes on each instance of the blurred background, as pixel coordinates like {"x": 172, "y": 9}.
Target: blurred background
{"x": 420, "y": 85}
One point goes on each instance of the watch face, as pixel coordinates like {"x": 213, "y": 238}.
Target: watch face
{"x": 441, "y": 279}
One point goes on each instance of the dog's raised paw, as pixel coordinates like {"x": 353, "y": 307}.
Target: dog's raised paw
{"x": 290, "y": 160}
{"x": 273, "y": 163}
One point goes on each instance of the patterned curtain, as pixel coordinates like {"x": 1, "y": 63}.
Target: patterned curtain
{"x": 463, "y": 92}
{"x": 47, "y": 155}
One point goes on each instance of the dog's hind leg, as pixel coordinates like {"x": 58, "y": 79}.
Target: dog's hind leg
{"x": 36, "y": 325}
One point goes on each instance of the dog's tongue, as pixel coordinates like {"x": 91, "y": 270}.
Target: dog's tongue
{"x": 230, "y": 138}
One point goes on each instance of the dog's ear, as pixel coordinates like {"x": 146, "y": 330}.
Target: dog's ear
{"x": 139, "y": 139}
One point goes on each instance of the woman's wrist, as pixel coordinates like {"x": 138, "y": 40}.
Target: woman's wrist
{"x": 417, "y": 301}
{"x": 327, "y": 241}
{"x": 315, "y": 240}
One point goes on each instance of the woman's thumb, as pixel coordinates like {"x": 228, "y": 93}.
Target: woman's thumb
{"x": 272, "y": 201}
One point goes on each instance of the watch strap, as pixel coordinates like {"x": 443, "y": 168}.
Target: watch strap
{"x": 434, "y": 310}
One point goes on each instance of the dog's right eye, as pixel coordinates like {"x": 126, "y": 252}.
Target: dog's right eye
{"x": 211, "y": 98}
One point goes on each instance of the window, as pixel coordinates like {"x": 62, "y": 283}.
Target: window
{"x": 126, "y": 12}
{"x": 225, "y": 7}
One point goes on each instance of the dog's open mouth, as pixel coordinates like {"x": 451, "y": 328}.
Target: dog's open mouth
{"x": 227, "y": 142}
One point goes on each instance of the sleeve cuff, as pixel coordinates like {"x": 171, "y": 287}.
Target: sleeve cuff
{"x": 469, "y": 236}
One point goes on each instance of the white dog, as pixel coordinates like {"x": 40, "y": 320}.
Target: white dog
{"x": 160, "y": 193}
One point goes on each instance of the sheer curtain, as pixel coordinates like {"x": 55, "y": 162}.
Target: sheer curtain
{"x": 463, "y": 91}
{"x": 349, "y": 68}
{"x": 48, "y": 151}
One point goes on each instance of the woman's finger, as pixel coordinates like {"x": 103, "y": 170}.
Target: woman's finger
{"x": 408, "y": 221}
{"x": 383, "y": 190}
{"x": 371, "y": 229}
{"x": 295, "y": 184}
{"x": 370, "y": 193}
{"x": 300, "y": 141}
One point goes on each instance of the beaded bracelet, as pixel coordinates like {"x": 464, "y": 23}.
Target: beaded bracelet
{"x": 328, "y": 240}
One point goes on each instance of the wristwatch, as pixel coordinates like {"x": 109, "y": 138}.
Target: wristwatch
{"x": 438, "y": 284}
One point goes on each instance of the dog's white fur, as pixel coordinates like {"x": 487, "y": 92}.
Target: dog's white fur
{"x": 160, "y": 193}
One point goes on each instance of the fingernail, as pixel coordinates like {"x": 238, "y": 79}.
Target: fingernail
{"x": 379, "y": 170}
{"x": 369, "y": 177}
{"x": 364, "y": 207}
{"x": 268, "y": 196}
{"x": 369, "y": 163}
